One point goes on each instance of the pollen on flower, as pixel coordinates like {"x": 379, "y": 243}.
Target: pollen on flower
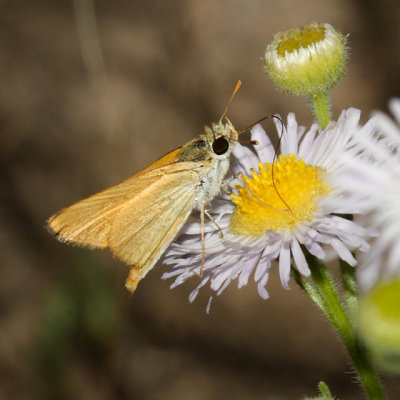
{"x": 279, "y": 198}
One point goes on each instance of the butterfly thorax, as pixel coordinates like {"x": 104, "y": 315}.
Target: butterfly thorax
{"x": 212, "y": 151}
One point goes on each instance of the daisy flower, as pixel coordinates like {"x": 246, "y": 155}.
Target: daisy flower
{"x": 277, "y": 205}
{"x": 378, "y": 172}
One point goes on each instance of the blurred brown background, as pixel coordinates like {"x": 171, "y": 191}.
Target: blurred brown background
{"x": 90, "y": 93}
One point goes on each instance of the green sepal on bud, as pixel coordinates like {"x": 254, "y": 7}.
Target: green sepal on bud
{"x": 324, "y": 391}
{"x": 379, "y": 324}
{"x": 307, "y": 61}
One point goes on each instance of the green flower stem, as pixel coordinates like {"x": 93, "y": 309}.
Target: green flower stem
{"x": 350, "y": 289}
{"x": 321, "y": 107}
{"x": 313, "y": 292}
{"x": 334, "y": 310}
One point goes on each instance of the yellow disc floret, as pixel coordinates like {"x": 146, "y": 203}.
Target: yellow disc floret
{"x": 279, "y": 198}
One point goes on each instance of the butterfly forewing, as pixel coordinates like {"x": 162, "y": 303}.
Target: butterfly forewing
{"x": 126, "y": 217}
{"x": 145, "y": 235}
{"x": 87, "y": 222}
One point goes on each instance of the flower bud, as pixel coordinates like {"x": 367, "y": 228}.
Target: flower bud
{"x": 306, "y": 61}
{"x": 379, "y": 324}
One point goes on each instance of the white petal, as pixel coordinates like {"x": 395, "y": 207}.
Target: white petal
{"x": 284, "y": 265}
{"x": 393, "y": 262}
{"x": 246, "y": 270}
{"x": 209, "y": 302}
{"x": 195, "y": 292}
{"x": 299, "y": 259}
{"x": 245, "y": 159}
{"x": 225, "y": 285}
{"x": 389, "y": 127}
{"x": 262, "y": 268}
{"x": 265, "y": 149}
{"x": 343, "y": 252}
{"x": 307, "y": 141}
{"x": 261, "y": 287}
{"x": 394, "y": 106}
{"x": 316, "y": 250}
{"x": 292, "y": 142}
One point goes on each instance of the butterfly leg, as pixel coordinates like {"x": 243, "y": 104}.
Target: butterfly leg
{"x": 226, "y": 183}
{"x": 203, "y": 248}
{"x": 221, "y": 234}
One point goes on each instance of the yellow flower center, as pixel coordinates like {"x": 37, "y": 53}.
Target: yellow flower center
{"x": 278, "y": 198}
{"x": 298, "y": 38}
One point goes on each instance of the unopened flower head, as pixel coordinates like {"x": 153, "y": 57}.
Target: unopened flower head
{"x": 306, "y": 61}
{"x": 378, "y": 171}
{"x": 277, "y": 205}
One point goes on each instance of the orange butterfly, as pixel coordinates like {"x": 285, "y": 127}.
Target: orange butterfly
{"x": 138, "y": 218}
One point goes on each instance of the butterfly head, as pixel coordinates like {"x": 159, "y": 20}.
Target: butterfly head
{"x": 221, "y": 137}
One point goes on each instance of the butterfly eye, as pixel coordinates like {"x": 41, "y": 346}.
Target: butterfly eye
{"x": 220, "y": 146}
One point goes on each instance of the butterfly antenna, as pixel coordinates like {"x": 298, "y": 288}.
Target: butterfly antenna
{"x": 257, "y": 122}
{"x": 275, "y": 151}
{"x": 273, "y": 163}
{"x": 237, "y": 87}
